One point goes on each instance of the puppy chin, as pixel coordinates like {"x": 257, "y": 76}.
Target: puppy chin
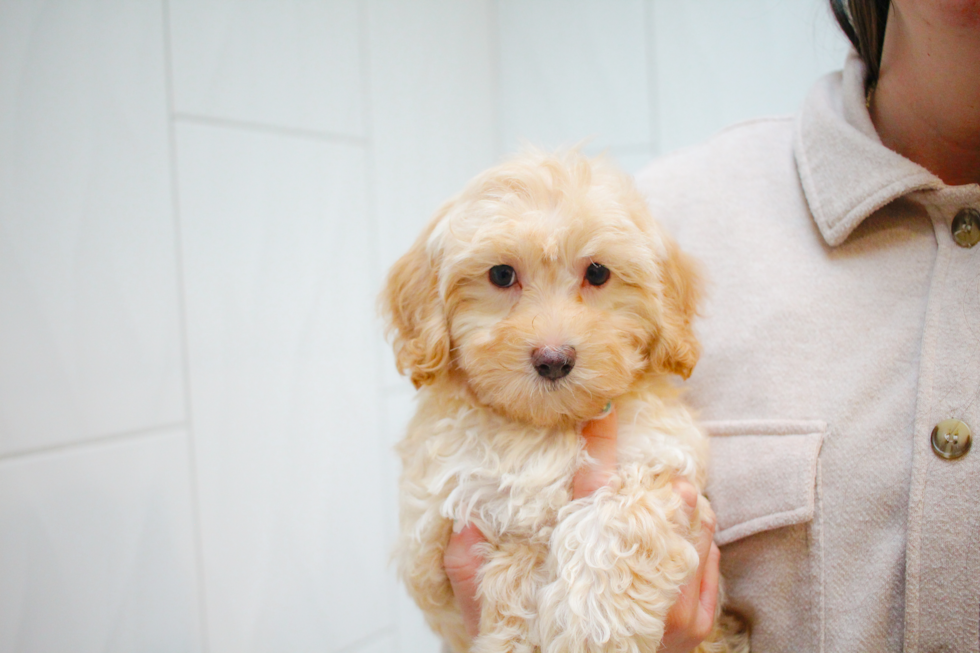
{"x": 546, "y": 404}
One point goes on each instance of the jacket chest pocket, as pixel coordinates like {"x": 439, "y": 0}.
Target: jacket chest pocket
{"x": 764, "y": 485}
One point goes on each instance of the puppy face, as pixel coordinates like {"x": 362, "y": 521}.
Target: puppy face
{"x": 545, "y": 288}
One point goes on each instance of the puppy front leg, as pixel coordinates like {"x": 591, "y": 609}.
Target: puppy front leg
{"x": 420, "y": 566}
{"x": 509, "y": 580}
{"x": 618, "y": 560}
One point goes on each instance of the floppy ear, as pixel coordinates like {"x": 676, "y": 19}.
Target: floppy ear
{"x": 414, "y": 312}
{"x": 677, "y": 349}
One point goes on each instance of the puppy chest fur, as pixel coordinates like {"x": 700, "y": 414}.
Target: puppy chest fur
{"x": 470, "y": 464}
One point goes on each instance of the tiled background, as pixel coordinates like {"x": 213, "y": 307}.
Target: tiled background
{"x": 198, "y": 201}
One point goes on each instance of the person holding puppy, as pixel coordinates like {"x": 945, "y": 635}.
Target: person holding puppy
{"x": 841, "y": 374}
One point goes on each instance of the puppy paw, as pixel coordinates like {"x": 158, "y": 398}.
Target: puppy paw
{"x": 618, "y": 561}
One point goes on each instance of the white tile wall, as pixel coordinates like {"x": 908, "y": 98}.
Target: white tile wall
{"x": 89, "y": 330}
{"x": 723, "y": 61}
{"x": 630, "y": 159}
{"x": 97, "y": 549}
{"x": 432, "y": 117}
{"x": 574, "y": 70}
{"x": 384, "y": 643}
{"x": 289, "y": 63}
{"x": 283, "y": 387}
{"x": 433, "y": 114}
{"x": 244, "y": 172}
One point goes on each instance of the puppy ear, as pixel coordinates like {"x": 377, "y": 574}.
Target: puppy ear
{"x": 414, "y": 312}
{"x": 676, "y": 349}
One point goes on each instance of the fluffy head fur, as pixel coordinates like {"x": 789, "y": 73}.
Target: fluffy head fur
{"x": 549, "y": 217}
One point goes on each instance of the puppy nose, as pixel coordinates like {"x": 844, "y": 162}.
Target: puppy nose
{"x": 553, "y": 362}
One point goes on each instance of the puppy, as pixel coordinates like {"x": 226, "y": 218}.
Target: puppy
{"x": 537, "y": 296}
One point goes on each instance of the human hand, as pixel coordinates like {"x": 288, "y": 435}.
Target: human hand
{"x": 462, "y": 559}
{"x": 691, "y": 618}
{"x": 689, "y": 622}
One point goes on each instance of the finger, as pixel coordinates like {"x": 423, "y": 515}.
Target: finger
{"x": 694, "y": 612}
{"x": 705, "y": 539}
{"x": 688, "y": 494}
{"x": 709, "y": 520}
{"x": 687, "y": 602}
{"x": 600, "y": 443}
{"x": 462, "y": 563}
{"x": 709, "y": 592}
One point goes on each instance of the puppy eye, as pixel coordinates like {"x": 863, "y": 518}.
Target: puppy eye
{"x": 502, "y": 276}
{"x": 597, "y": 274}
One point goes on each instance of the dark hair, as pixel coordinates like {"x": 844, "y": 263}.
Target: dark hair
{"x": 863, "y": 21}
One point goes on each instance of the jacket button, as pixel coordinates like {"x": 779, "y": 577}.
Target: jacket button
{"x": 951, "y": 439}
{"x": 966, "y": 227}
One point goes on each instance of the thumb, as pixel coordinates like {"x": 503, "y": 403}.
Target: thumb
{"x": 600, "y": 443}
{"x": 462, "y": 562}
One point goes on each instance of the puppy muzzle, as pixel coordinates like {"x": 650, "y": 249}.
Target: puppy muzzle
{"x": 553, "y": 363}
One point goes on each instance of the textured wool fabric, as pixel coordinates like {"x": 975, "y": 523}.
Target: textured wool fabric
{"x": 767, "y": 482}
{"x": 843, "y": 323}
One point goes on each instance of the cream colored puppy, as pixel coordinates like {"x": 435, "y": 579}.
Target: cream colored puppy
{"x": 534, "y": 298}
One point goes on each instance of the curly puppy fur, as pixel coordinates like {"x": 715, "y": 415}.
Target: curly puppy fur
{"x": 496, "y": 443}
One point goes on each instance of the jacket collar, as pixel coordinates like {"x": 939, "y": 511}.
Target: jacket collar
{"x": 847, "y": 174}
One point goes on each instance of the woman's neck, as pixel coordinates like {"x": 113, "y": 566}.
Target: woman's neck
{"x": 926, "y": 105}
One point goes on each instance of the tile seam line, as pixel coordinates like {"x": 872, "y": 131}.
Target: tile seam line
{"x": 94, "y": 442}
{"x": 204, "y": 626}
{"x": 652, "y": 75}
{"x": 278, "y": 130}
{"x": 373, "y": 213}
{"x": 495, "y": 48}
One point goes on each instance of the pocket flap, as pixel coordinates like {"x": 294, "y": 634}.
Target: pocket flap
{"x": 762, "y": 474}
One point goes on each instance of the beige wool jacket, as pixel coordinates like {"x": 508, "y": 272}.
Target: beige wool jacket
{"x": 843, "y": 325}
